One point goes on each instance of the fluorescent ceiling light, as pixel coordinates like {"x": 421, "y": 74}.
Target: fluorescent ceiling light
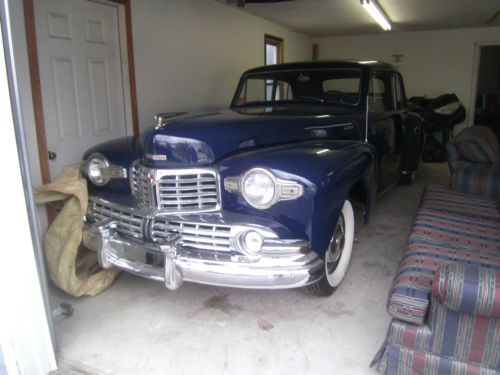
{"x": 377, "y": 14}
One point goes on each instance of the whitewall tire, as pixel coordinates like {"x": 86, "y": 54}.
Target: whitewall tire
{"x": 338, "y": 254}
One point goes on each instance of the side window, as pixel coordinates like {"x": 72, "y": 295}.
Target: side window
{"x": 399, "y": 95}
{"x": 380, "y": 97}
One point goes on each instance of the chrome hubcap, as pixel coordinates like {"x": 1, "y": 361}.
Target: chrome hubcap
{"x": 336, "y": 247}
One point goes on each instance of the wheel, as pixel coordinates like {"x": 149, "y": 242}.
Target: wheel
{"x": 338, "y": 254}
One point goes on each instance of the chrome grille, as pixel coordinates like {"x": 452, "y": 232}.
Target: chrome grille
{"x": 127, "y": 223}
{"x": 194, "y": 235}
{"x": 175, "y": 190}
{"x": 140, "y": 181}
{"x": 188, "y": 190}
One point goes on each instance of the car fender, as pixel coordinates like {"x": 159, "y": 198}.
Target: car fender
{"x": 328, "y": 170}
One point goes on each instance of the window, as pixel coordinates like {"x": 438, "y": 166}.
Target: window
{"x": 380, "y": 97}
{"x": 329, "y": 86}
{"x": 342, "y": 90}
{"x": 273, "y": 55}
{"x": 257, "y": 90}
{"x": 273, "y": 50}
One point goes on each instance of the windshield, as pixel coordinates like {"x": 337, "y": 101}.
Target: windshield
{"x": 332, "y": 86}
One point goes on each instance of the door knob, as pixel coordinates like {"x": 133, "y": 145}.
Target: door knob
{"x": 52, "y": 155}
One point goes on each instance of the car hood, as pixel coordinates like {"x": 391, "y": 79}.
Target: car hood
{"x": 202, "y": 139}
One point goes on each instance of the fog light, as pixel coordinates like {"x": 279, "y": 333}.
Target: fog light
{"x": 252, "y": 242}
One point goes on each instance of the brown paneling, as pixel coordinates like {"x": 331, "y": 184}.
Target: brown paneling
{"x": 36, "y": 89}
{"x": 29, "y": 17}
{"x": 131, "y": 64}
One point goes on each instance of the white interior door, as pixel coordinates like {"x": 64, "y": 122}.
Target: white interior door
{"x": 82, "y": 75}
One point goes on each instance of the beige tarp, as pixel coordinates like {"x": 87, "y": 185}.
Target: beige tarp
{"x": 71, "y": 267}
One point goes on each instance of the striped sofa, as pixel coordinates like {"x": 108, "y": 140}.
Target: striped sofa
{"x": 474, "y": 161}
{"x": 445, "y": 298}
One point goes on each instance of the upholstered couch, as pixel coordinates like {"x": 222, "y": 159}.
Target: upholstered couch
{"x": 445, "y": 297}
{"x": 474, "y": 161}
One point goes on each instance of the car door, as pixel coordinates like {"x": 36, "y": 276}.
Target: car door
{"x": 385, "y": 127}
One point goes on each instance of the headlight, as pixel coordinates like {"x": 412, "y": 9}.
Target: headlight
{"x": 99, "y": 171}
{"x": 250, "y": 243}
{"x": 96, "y": 169}
{"x": 259, "y": 188}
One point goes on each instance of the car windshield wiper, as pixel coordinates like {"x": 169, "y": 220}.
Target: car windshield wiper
{"x": 311, "y": 98}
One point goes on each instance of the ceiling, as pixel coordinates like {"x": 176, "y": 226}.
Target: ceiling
{"x": 318, "y": 18}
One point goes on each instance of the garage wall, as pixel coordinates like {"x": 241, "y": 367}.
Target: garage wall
{"x": 189, "y": 54}
{"x": 434, "y": 62}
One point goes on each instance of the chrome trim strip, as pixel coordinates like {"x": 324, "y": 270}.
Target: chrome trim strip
{"x": 141, "y": 184}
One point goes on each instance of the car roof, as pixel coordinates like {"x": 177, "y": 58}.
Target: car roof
{"x": 324, "y": 64}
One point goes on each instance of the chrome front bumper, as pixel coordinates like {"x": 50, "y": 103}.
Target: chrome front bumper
{"x": 283, "y": 264}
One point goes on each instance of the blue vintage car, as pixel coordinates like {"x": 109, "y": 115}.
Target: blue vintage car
{"x": 260, "y": 195}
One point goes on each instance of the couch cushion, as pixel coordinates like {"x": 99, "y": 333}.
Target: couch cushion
{"x": 477, "y": 180}
{"x": 443, "y": 194}
{"x": 458, "y": 231}
{"x": 478, "y": 144}
{"x": 468, "y": 289}
{"x": 440, "y": 198}
{"x": 470, "y": 150}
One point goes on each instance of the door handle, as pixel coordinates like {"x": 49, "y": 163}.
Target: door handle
{"x": 52, "y": 155}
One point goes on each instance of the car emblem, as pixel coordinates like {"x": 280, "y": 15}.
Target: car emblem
{"x": 156, "y": 157}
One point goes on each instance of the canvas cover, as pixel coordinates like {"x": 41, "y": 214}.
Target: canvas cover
{"x": 70, "y": 265}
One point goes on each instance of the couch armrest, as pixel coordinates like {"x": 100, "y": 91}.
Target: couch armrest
{"x": 468, "y": 289}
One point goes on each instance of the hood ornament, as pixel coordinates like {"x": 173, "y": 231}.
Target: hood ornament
{"x": 161, "y": 118}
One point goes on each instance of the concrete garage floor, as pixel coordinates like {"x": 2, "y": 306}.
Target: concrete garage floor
{"x": 138, "y": 327}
